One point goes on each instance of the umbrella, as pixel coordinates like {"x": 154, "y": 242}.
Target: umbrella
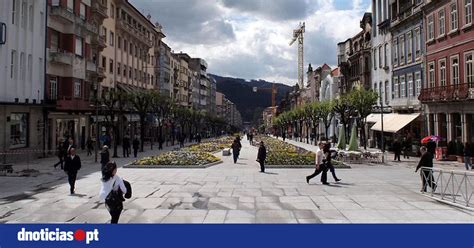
{"x": 432, "y": 138}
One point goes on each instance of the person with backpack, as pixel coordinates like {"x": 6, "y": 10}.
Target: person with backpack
{"x": 112, "y": 191}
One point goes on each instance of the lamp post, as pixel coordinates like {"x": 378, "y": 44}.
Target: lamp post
{"x": 383, "y": 138}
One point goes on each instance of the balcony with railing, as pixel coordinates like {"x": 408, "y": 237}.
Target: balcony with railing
{"x": 98, "y": 40}
{"x": 448, "y": 93}
{"x": 99, "y": 8}
{"x": 129, "y": 28}
{"x": 68, "y": 17}
{"x": 61, "y": 57}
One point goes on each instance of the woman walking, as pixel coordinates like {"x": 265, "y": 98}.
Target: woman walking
{"x": 236, "y": 149}
{"x": 261, "y": 156}
{"x": 112, "y": 191}
{"x": 426, "y": 161}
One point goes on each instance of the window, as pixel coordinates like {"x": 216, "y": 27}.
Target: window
{"x": 430, "y": 33}
{"x": 395, "y": 51}
{"x": 410, "y": 85}
{"x": 455, "y": 70}
{"x": 55, "y": 3}
{"x": 131, "y": 49}
{"x": 402, "y": 49}
{"x": 418, "y": 43}
{"x": 387, "y": 90}
{"x": 23, "y": 15}
{"x": 18, "y": 130}
{"x": 31, "y": 15}
{"x": 104, "y": 62}
{"x": 30, "y": 67}
{"x": 118, "y": 69}
{"x": 111, "y": 65}
{"x": 442, "y": 72}
{"x": 13, "y": 64}
{"x": 431, "y": 75}
{"x": 82, "y": 11}
{"x": 22, "y": 66}
{"x": 409, "y": 47}
{"x": 402, "y": 87}
{"x": 70, "y": 5}
{"x": 417, "y": 83}
{"x": 125, "y": 45}
{"x": 104, "y": 34}
{"x": 79, "y": 49}
{"x": 119, "y": 42}
{"x": 77, "y": 88}
{"x": 111, "y": 40}
{"x": 442, "y": 23}
{"x": 386, "y": 55}
{"x": 395, "y": 88}
{"x": 467, "y": 12}
{"x": 125, "y": 71}
{"x": 380, "y": 56}
{"x": 13, "y": 11}
{"x": 112, "y": 10}
{"x": 53, "y": 89}
{"x": 469, "y": 70}
{"x": 130, "y": 72}
{"x": 375, "y": 58}
{"x": 454, "y": 17}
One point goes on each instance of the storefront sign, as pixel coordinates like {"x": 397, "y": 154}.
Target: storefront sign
{"x": 3, "y": 33}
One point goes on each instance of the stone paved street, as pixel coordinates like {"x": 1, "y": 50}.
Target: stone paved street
{"x": 229, "y": 193}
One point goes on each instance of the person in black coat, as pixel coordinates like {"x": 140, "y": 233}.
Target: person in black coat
{"x": 136, "y": 145}
{"x": 71, "y": 167}
{"x": 126, "y": 146}
{"x": 397, "y": 149}
{"x": 62, "y": 155}
{"x": 426, "y": 161}
{"x": 104, "y": 156}
{"x": 261, "y": 156}
{"x": 236, "y": 149}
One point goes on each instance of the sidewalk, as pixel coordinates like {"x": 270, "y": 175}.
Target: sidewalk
{"x": 411, "y": 162}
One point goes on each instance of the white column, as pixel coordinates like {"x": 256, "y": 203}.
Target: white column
{"x": 449, "y": 127}
{"x": 436, "y": 124}
{"x": 464, "y": 130}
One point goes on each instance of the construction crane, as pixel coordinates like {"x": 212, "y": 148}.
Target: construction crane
{"x": 273, "y": 90}
{"x": 298, "y": 35}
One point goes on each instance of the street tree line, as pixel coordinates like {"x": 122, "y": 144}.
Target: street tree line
{"x": 115, "y": 105}
{"x": 355, "y": 105}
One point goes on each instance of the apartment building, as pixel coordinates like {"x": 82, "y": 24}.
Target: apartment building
{"x": 448, "y": 92}
{"x": 182, "y": 91}
{"x": 202, "y": 86}
{"x": 165, "y": 75}
{"x": 73, "y": 46}
{"x": 22, "y": 67}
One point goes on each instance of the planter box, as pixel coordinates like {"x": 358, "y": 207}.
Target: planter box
{"x": 133, "y": 166}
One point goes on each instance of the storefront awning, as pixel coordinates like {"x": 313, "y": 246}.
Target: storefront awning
{"x": 373, "y": 118}
{"x": 392, "y": 123}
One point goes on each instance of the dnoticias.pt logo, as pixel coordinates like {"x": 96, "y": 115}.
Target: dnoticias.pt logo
{"x": 58, "y": 236}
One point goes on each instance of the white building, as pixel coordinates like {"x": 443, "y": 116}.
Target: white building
{"x": 22, "y": 73}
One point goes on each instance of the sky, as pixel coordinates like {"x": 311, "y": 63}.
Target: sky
{"x": 250, "y": 38}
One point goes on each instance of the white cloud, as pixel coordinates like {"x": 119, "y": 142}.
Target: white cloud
{"x": 250, "y": 39}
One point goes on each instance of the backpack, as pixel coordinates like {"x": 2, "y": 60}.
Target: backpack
{"x": 128, "y": 195}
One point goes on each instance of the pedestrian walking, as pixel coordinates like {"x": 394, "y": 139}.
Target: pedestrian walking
{"x": 320, "y": 166}
{"x": 136, "y": 145}
{"x": 262, "y": 156}
{"x": 397, "y": 149}
{"x": 71, "y": 166}
{"x": 89, "y": 146}
{"x": 160, "y": 142}
{"x": 426, "y": 174}
{"x": 283, "y": 136}
{"x": 329, "y": 165}
{"x": 70, "y": 145}
{"x": 104, "y": 156}
{"x": 468, "y": 156}
{"x": 406, "y": 148}
{"x": 112, "y": 191}
{"x": 126, "y": 146}
{"x": 236, "y": 149}
{"x": 62, "y": 154}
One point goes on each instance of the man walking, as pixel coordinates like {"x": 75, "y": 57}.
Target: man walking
{"x": 136, "y": 144}
{"x": 71, "y": 167}
{"x": 320, "y": 166}
{"x": 236, "y": 149}
{"x": 126, "y": 146}
{"x": 397, "y": 149}
{"x": 261, "y": 156}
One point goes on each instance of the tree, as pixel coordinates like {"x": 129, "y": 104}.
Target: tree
{"x": 115, "y": 103}
{"x": 141, "y": 101}
{"x": 314, "y": 117}
{"x": 362, "y": 101}
{"x": 162, "y": 107}
{"x": 327, "y": 114}
{"x": 344, "y": 111}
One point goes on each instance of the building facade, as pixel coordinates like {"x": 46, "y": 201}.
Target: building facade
{"x": 448, "y": 92}
{"x": 165, "y": 76}
{"x": 183, "y": 88}
{"x": 201, "y": 97}
{"x": 73, "y": 47}
{"x": 22, "y": 67}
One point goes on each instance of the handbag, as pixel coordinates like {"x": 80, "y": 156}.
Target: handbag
{"x": 114, "y": 200}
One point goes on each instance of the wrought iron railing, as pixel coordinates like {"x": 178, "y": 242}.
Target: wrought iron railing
{"x": 452, "y": 92}
{"x": 452, "y": 187}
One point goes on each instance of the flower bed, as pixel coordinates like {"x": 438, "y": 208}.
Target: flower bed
{"x": 213, "y": 145}
{"x": 179, "y": 158}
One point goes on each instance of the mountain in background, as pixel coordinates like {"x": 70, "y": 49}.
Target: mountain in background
{"x": 249, "y": 103}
